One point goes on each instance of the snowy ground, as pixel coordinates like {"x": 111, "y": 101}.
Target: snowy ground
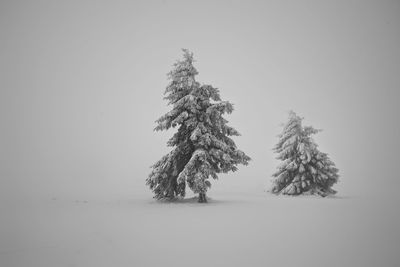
{"x": 233, "y": 229}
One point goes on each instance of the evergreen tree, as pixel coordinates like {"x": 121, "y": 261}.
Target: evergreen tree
{"x": 304, "y": 168}
{"x": 202, "y": 146}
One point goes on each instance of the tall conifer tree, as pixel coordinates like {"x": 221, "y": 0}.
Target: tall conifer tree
{"x": 202, "y": 147}
{"x": 304, "y": 169}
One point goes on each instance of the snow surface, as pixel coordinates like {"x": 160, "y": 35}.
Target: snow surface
{"x": 233, "y": 229}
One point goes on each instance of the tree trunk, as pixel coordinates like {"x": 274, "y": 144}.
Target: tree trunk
{"x": 202, "y": 198}
{"x": 171, "y": 188}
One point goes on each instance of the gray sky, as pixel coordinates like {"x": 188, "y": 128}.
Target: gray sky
{"x": 82, "y": 83}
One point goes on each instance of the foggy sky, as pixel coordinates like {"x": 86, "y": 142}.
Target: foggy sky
{"x": 82, "y": 84}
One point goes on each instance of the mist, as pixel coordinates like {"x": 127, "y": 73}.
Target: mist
{"x": 82, "y": 83}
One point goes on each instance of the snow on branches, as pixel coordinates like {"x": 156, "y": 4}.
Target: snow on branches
{"x": 304, "y": 169}
{"x": 202, "y": 147}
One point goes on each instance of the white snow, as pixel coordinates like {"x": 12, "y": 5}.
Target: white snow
{"x": 233, "y": 229}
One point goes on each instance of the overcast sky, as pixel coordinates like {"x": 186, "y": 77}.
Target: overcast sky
{"x": 82, "y": 82}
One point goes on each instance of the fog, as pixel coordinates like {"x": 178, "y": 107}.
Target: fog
{"x": 82, "y": 83}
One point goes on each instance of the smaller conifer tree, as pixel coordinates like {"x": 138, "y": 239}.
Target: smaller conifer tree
{"x": 304, "y": 169}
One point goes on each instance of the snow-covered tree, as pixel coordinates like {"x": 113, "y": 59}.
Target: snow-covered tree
{"x": 304, "y": 169}
{"x": 202, "y": 147}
